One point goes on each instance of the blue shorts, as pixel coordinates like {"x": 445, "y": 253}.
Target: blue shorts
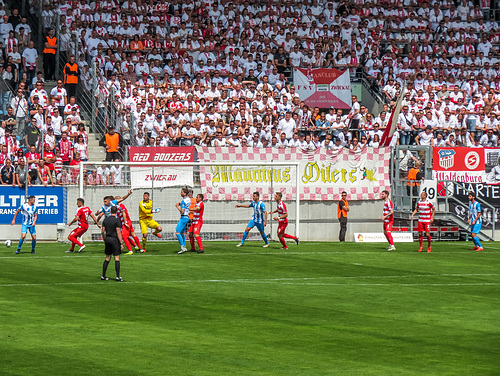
{"x": 181, "y": 225}
{"x": 25, "y": 228}
{"x": 252, "y": 224}
{"x": 475, "y": 229}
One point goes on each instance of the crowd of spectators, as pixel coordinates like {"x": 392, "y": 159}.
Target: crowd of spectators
{"x": 188, "y": 73}
{"x": 219, "y": 74}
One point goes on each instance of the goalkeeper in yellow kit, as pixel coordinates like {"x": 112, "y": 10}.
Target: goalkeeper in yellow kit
{"x": 146, "y": 219}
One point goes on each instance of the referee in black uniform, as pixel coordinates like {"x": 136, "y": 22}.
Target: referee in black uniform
{"x": 112, "y": 235}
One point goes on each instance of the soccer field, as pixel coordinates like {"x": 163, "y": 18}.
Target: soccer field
{"x": 318, "y": 309}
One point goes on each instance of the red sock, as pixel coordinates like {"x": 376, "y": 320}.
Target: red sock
{"x": 72, "y": 246}
{"x": 127, "y": 243}
{"x": 198, "y": 240}
{"x": 282, "y": 240}
{"x": 289, "y": 236}
{"x": 420, "y": 239}
{"x": 131, "y": 240}
{"x": 389, "y": 238}
{"x": 74, "y": 241}
{"x": 429, "y": 241}
{"x": 137, "y": 241}
{"x": 191, "y": 241}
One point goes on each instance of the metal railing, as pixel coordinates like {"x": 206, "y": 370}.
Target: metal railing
{"x": 32, "y": 12}
{"x": 489, "y": 212}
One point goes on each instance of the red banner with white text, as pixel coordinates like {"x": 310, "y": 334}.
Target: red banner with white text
{"x": 467, "y": 165}
{"x": 148, "y": 176}
{"x": 161, "y": 154}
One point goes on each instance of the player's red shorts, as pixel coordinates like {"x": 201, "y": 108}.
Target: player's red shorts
{"x": 424, "y": 226}
{"x": 195, "y": 228}
{"x": 126, "y": 231}
{"x": 281, "y": 227}
{"x": 388, "y": 226}
{"x": 79, "y": 231}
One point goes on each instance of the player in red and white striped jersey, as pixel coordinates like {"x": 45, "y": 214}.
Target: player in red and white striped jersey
{"x": 82, "y": 215}
{"x": 282, "y": 219}
{"x": 388, "y": 219}
{"x": 195, "y": 228}
{"x": 426, "y": 211}
{"x": 128, "y": 233}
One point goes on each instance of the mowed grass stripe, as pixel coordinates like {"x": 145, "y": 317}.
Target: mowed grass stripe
{"x": 313, "y": 313}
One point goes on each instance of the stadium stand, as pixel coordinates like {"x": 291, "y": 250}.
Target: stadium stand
{"x": 218, "y": 73}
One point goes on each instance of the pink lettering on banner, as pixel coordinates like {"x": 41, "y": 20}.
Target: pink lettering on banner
{"x": 161, "y": 154}
{"x": 161, "y": 178}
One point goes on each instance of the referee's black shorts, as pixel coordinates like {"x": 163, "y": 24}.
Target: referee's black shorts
{"x": 112, "y": 247}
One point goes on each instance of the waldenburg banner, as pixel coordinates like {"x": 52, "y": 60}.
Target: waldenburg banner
{"x": 466, "y": 165}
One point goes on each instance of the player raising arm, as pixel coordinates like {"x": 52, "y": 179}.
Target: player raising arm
{"x": 195, "y": 228}
{"x": 282, "y": 219}
{"x": 82, "y": 215}
{"x": 128, "y": 234}
{"x": 426, "y": 211}
{"x": 259, "y": 219}
{"x": 388, "y": 219}
{"x": 183, "y": 208}
{"x": 475, "y": 221}
{"x": 146, "y": 219}
{"x": 110, "y": 201}
{"x": 29, "y": 212}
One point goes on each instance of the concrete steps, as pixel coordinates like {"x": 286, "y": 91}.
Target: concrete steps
{"x": 96, "y": 152}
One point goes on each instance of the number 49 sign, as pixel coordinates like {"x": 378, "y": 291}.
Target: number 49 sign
{"x": 429, "y": 187}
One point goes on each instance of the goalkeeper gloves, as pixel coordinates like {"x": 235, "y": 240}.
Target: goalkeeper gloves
{"x": 157, "y": 210}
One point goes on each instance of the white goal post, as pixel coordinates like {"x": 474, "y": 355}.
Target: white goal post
{"x": 222, "y": 221}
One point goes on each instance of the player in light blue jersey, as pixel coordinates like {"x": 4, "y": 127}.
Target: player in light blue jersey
{"x": 183, "y": 208}
{"x": 259, "y": 219}
{"x": 109, "y": 201}
{"x": 475, "y": 221}
{"x": 29, "y": 212}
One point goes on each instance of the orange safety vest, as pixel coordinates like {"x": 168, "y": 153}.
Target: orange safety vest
{"x": 112, "y": 141}
{"x": 191, "y": 207}
{"x": 342, "y": 212}
{"x": 412, "y": 175}
{"x": 52, "y": 42}
{"x": 70, "y": 79}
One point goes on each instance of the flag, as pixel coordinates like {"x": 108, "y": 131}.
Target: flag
{"x": 393, "y": 120}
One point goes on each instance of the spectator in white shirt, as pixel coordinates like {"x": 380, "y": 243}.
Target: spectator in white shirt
{"x": 426, "y": 137}
{"x": 287, "y": 125}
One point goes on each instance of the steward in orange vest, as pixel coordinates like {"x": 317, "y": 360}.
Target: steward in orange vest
{"x": 71, "y": 76}
{"x": 49, "y": 56}
{"x": 113, "y": 142}
{"x": 342, "y": 210}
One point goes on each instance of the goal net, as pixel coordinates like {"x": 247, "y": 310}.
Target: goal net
{"x": 223, "y": 185}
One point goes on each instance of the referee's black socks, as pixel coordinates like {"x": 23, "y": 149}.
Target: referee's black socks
{"x": 105, "y": 267}
{"x": 117, "y": 268}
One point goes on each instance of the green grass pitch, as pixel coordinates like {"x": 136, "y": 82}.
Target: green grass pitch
{"x": 318, "y": 309}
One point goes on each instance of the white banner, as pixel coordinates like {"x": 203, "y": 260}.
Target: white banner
{"x": 323, "y": 87}
{"x": 323, "y": 174}
{"x": 160, "y": 177}
{"x": 379, "y": 237}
